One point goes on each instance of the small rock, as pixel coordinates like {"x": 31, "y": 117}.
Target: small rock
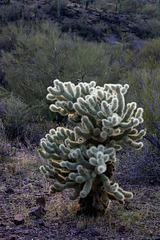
{"x": 28, "y": 237}
{"x": 40, "y": 222}
{"x": 41, "y": 201}
{"x": 1, "y": 235}
{"x": 2, "y": 188}
{"x": 76, "y": 230}
{"x": 27, "y": 186}
{"x": 26, "y": 232}
{"x": 100, "y": 224}
{"x": 37, "y": 211}
{"x": 121, "y": 229}
{"x": 2, "y": 224}
{"x": 94, "y": 232}
{"x": 12, "y": 237}
{"x": 8, "y": 228}
{"x": 47, "y": 225}
{"x": 17, "y": 228}
{"x": 39, "y": 185}
{"x": 18, "y": 219}
{"x": 10, "y": 191}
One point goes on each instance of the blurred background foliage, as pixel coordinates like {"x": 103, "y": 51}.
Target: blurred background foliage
{"x": 41, "y": 53}
{"x": 34, "y": 52}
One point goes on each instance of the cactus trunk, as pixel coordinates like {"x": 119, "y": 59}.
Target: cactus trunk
{"x": 59, "y": 8}
{"x": 120, "y": 6}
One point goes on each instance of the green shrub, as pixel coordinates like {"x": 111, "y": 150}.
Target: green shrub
{"x": 11, "y": 12}
{"x": 145, "y": 7}
{"x": 15, "y": 116}
{"x": 150, "y": 10}
{"x": 145, "y": 88}
{"x": 149, "y": 56}
{"x": 20, "y": 121}
{"x": 154, "y": 25}
{"x": 55, "y": 6}
{"x": 105, "y": 5}
{"x": 88, "y": 31}
{"x": 131, "y": 6}
{"x": 62, "y": 57}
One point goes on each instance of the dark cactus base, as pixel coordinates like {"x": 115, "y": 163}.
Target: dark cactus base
{"x": 87, "y": 207}
{"x": 93, "y": 205}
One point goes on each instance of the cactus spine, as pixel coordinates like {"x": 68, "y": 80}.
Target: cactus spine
{"x": 84, "y": 158}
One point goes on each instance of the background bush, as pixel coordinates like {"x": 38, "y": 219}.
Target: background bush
{"x": 11, "y": 11}
{"x": 15, "y": 115}
{"x": 19, "y": 121}
{"x": 147, "y": 7}
{"x": 41, "y": 54}
{"x": 33, "y": 54}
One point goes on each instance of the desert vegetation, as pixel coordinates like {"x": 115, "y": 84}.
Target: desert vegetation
{"x": 108, "y": 42}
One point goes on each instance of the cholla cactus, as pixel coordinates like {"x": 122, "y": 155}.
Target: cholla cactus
{"x": 84, "y": 158}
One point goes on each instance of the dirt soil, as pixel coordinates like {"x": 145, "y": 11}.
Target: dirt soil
{"x": 23, "y": 190}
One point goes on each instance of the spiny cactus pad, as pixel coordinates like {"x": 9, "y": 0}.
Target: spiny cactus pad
{"x": 84, "y": 158}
